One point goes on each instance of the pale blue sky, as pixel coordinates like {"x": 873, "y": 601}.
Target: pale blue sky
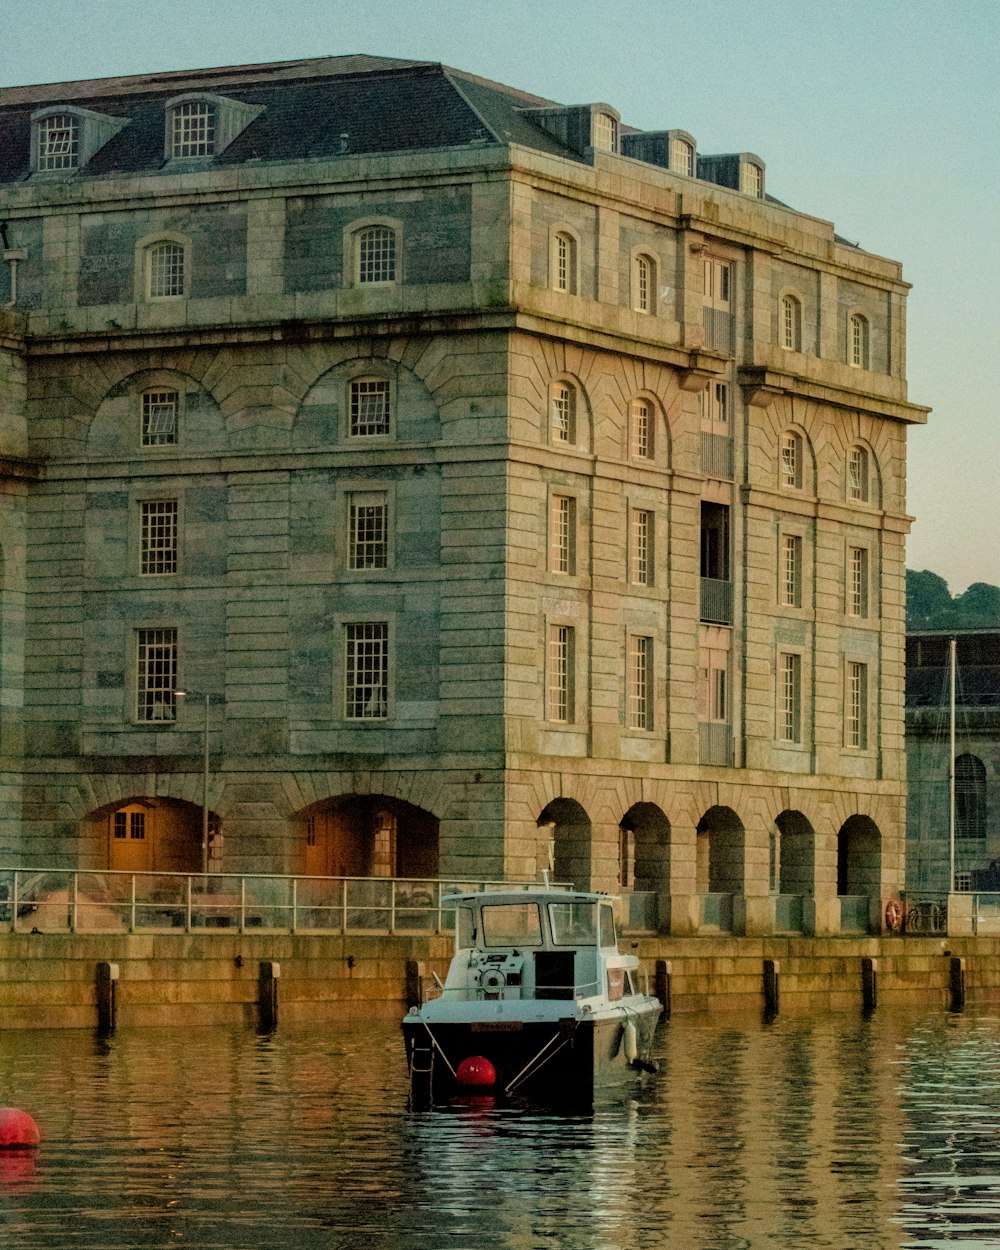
{"x": 882, "y": 116}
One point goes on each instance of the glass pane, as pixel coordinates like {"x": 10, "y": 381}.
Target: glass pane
{"x": 511, "y": 924}
{"x": 573, "y": 924}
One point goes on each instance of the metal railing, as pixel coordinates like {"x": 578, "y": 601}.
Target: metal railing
{"x": 922, "y": 916}
{"x": 719, "y": 330}
{"x": 716, "y": 601}
{"x": 55, "y": 900}
{"x": 715, "y": 743}
{"x": 717, "y": 455}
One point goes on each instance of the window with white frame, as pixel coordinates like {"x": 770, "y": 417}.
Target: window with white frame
{"x": 165, "y": 270}
{"x": 605, "y": 132}
{"x": 791, "y": 460}
{"x": 157, "y": 536}
{"x": 159, "y": 418}
{"x": 682, "y": 157}
{"x": 751, "y": 179}
{"x": 562, "y": 534}
{"x": 789, "y": 697}
{"x": 369, "y": 407}
{"x": 856, "y": 706}
{"x": 790, "y": 579}
{"x": 58, "y": 139}
{"x": 791, "y": 323}
{"x": 640, "y": 683}
{"x": 156, "y": 675}
{"x": 192, "y": 129}
{"x": 564, "y": 262}
{"x": 642, "y": 429}
{"x": 857, "y": 341}
{"x": 857, "y": 474}
{"x": 857, "y": 581}
{"x": 367, "y": 530}
{"x": 640, "y": 547}
{"x": 375, "y": 255}
{"x": 559, "y": 673}
{"x": 366, "y": 685}
{"x": 643, "y": 283}
{"x": 562, "y": 404}
{"x": 713, "y": 686}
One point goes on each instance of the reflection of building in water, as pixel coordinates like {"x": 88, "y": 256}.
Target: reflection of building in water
{"x": 977, "y": 760}
{"x": 509, "y": 488}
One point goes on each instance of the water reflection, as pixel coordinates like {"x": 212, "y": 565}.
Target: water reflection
{"x": 836, "y": 1132}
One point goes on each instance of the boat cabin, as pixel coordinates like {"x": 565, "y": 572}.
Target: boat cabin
{"x": 551, "y": 945}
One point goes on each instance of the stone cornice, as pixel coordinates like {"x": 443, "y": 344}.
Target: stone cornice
{"x": 763, "y": 386}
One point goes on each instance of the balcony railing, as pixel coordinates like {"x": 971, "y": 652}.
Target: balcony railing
{"x": 716, "y": 601}
{"x": 715, "y": 744}
{"x": 717, "y": 455}
{"x": 719, "y": 330}
{"x": 69, "y": 901}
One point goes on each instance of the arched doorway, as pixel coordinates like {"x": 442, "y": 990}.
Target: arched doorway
{"x": 793, "y": 868}
{"x": 153, "y": 835}
{"x": 644, "y": 865}
{"x": 859, "y": 871}
{"x": 570, "y": 839}
{"x": 718, "y": 867}
{"x": 369, "y": 835}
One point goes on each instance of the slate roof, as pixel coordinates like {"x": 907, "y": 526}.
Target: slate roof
{"x": 331, "y": 107}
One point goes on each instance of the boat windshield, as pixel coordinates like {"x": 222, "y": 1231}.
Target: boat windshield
{"x": 511, "y": 924}
{"x": 573, "y": 924}
{"x": 466, "y": 927}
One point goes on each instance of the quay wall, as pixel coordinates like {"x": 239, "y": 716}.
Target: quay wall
{"x": 50, "y": 980}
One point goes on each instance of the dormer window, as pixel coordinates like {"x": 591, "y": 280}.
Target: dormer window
{"x": 58, "y": 142}
{"x": 201, "y": 126}
{"x": 192, "y": 130}
{"x": 752, "y": 179}
{"x": 605, "y": 132}
{"x": 682, "y": 157}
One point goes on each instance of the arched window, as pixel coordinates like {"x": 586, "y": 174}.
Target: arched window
{"x": 857, "y": 341}
{"x": 791, "y": 460}
{"x": 375, "y": 255}
{"x": 564, "y": 262}
{"x": 791, "y": 323}
{"x": 642, "y": 430}
{"x": 644, "y": 284}
{"x": 970, "y": 797}
{"x": 166, "y": 270}
{"x": 858, "y": 475}
{"x": 562, "y": 405}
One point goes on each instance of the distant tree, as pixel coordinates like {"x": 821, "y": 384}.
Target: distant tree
{"x": 979, "y": 606}
{"x": 927, "y": 598}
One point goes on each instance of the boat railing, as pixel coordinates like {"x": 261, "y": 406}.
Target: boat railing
{"x": 61, "y": 900}
{"x": 474, "y": 993}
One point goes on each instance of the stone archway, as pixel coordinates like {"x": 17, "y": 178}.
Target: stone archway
{"x": 369, "y": 835}
{"x": 143, "y": 834}
{"x": 794, "y": 855}
{"x": 859, "y": 857}
{"x": 644, "y": 849}
{"x": 720, "y": 845}
{"x": 570, "y": 837}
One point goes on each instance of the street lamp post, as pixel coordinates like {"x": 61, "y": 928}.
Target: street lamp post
{"x": 185, "y": 694}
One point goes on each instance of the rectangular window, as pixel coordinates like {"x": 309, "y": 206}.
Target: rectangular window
{"x": 368, "y": 532}
{"x": 713, "y": 692}
{"x": 367, "y": 670}
{"x": 641, "y": 440}
{"x": 563, "y": 413}
{"x": 559, "y": 674}
{"x": 605, "y": 132}
{"x": 193, "y": 130}
{"x": 562, "y": 536}
{"x": 791, "y": 461}
{"x": 369, "y": 406}
{"x": 156, "y": 675}
{"x": 716, "y": 409}
{"x": 377, "y": 255}
{"x": 790, "y": 698}
{"x": 791, "y": 571}
{"x": 640, "y": 683}
{"x": 856, "y": 712}
{"x": 165, "y": 271}
{"x": 857, "y": 581}
{"x": 565, "y": 263}
{"x": 857, "y": 474}
{"x": 158, "y": 536}
{"x": 640, "y": 554}
{"x": 159, "y": 418}
{"x": 130, "y": 825}
{"x": 58, "y": 142}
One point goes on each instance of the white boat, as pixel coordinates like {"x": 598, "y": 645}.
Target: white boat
{"x": 538, "y": 1000}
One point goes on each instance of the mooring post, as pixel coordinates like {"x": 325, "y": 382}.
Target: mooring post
{"x": 772, "y": 970}
{"x": 956, "y": 970}
{"x": 107, "y": 997}
{"x": 869, "y": 984}
{"x": 414, "y": 983}
{"x": 663, "y": 971}
{"x": 270, "y": 975}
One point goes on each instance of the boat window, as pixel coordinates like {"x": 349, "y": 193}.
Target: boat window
{"x": 466, "y": 927}
{"x": 573, "y": 924}
{"x": 609, "y": 938}
{"x": 511, "y": 924}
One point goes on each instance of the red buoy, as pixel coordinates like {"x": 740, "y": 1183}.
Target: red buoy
{"x": 17, "y": 1129}
{"x": 475, "y": 1072}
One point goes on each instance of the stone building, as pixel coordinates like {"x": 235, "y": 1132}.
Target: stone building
{"x": 521, "y": 489}
{"x": 977, "y": 760}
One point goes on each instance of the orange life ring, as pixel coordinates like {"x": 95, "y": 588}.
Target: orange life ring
{"x": 893, "y": 916}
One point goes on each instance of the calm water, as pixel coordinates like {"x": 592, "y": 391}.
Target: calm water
{"x": 835, "y": 1132}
